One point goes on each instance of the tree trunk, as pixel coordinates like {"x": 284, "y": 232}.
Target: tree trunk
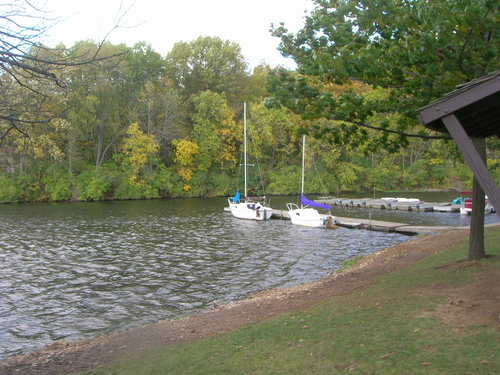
{"x": 100, "y": 143}
{"x": 476, "y": 239}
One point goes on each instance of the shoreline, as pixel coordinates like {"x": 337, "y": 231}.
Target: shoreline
{"x": 65, "y": 357}
{"x": 222, "y": 196}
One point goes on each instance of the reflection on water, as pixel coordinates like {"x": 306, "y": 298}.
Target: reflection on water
{"x": 82, "y": 269}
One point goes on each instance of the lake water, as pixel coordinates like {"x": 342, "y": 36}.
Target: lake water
{"x": 74, "y": 270}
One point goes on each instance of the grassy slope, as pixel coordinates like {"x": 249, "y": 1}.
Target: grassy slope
{"x": 380, "y": 330}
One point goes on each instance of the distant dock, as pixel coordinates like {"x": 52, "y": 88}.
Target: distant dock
{"x": 386, "y": 204}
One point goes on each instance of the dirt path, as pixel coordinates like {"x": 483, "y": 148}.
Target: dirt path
{"x": 65, "y": 358}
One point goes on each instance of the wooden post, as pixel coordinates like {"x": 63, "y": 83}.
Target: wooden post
{"x": 476, "y": 238}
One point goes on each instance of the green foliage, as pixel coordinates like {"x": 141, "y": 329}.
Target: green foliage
{"x": 221, "y": 185}
{"x": 127, "y": 189}
{"x": 8, "y": 189}
{"x": 347, "y": 176}
{"x": 383, "y": 177}
{"x": 58, "y": 184}
{"x": 200, "y": 184}
{"x": 166, "y": 182}
{"x": 208, "y": 63}
{"x": 494, "y": 167}
{"x": 285, "y": 180}
{"x": 464, "y": 175}
{"x": 417, "y": 173}
{"x": 415, "y": 50}
{"x": 214, "y": 131}
{"x": 186, "y": 137}
{"x": 207, "y": 118}
{"x": 94, "y": 184}
{"x": 143, "y": 65}
{"x": 272, "y": 134}
{"x": 209, "y": 184}
{"x": 30, "y": 187}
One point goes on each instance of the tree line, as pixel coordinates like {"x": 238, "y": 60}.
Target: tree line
{"x": 132, "y": 124}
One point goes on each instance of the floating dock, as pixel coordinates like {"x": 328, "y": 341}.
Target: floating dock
{"x": 375, "y": 225}
{"x": 368, "y": 224}
{"x": 386, "y": 204}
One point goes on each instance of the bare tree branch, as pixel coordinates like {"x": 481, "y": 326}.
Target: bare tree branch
{"x": 13, "y": 126}
{"x": 26, "y": 64}
{"x": 14, "y": 119}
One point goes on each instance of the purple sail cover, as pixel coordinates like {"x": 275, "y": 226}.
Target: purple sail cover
{"x": 308, "y": 202}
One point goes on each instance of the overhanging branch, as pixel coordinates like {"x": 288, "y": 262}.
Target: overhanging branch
{"x": 422, "y": 136}
{"x": 13, "y": 119}
{"x": 13, "y": 126}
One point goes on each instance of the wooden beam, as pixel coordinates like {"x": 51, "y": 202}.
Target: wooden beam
{"x": 459, "y": 100}
{"x": 473, "y": 159}
{"x": 476, "y": 238}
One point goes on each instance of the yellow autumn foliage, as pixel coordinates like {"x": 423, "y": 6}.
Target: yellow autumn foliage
{"x": 185, "y": 151}
{"x": 41, "y": 146}
{"x": 185, "y": 173}
{"x": 138, "y": 149}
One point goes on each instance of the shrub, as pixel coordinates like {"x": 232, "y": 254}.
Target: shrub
{"x": 30, "y": 188}
{"x": 167, "y": 182}
{"x": 284, "y": 181}
{"x": 58, "y": 184}
{"x": 8, "y": 189}
{"x": 221, "y": 184}
{"x": 94, "y": 184}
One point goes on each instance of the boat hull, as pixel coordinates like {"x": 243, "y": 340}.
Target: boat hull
{"x": 465, "y": 211}
{"x": 250, "y": 211}
{"x": 468, "y": 211}
{"x": 307, "y": 217}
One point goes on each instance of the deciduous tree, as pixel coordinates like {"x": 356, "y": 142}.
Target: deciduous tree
{"x": 416, "y": 49}
{"x": 208, "y": 63}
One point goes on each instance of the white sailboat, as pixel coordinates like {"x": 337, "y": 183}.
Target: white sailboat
{"x": 246, "y": 208}
{"x": 306, "y": 215}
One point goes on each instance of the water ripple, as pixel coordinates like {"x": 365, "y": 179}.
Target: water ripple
{"x": 69, "y": 271}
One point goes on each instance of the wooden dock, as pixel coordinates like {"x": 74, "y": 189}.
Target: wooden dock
{"x": 367, "y": 224}
{"x": 390, "y": 204}
{"x": 375, "y": 225}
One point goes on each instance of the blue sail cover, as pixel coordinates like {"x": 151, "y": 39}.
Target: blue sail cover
{"x": 236, "y": 198}
{"x": 308, "y": 202}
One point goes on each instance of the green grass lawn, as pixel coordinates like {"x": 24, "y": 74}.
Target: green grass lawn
{"x": 380, "y": 330}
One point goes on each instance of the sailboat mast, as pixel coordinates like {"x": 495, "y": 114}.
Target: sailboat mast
{"x": 245, "y": 143}
{"x": 303, "y": 162}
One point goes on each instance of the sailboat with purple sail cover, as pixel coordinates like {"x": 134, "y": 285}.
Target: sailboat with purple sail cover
{"x": 307, "y": 202}
{"x": 306, "y": 215}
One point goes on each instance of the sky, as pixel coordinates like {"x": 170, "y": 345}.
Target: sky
{"x": 162, "y": 23}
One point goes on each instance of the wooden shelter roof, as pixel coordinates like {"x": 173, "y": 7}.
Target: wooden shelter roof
{"x": 476, "y": 104}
